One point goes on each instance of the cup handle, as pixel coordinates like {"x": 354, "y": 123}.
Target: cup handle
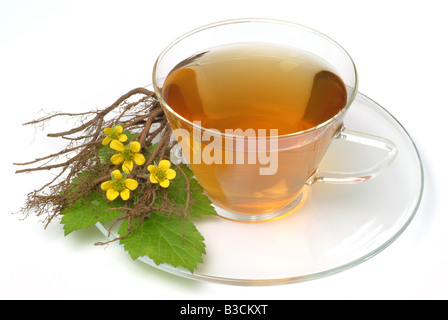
{"x": 363, "y": 175}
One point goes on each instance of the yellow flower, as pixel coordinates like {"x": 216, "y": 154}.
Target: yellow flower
{"x": 162, "y": 174}
{"x": 128, "y": 155}
{"x": 119, "y": 185}
{"x": 114, "y": 133}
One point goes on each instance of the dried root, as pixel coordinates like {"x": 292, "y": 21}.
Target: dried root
{"x": 139, "y": 113}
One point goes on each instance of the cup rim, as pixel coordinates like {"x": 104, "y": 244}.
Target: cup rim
{"x": 251, "y": 20}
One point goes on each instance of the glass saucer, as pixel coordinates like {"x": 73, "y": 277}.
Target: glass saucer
{"x": 337, "y": 226}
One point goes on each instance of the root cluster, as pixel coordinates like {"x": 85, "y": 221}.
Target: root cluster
{"x": 138, "y": 112}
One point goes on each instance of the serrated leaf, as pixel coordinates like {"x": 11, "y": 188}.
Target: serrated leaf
{"x": 171, "y": 240}
{"x": 105, "y": 153}
{"x": 200, "y": 204}
{"x": 89, "y": 210}
{"x": 77, "y": 182}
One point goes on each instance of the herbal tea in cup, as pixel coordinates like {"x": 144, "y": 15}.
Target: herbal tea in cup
{"x": 254, "y": 105}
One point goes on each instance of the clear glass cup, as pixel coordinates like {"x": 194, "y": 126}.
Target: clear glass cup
{"x": 241, "y": 192}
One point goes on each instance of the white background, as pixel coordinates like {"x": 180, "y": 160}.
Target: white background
{"x": 78, "y": 55}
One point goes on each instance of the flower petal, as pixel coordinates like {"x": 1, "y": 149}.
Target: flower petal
{"x": 118, "y": 129}
{"x": 165, "y": 183}
{"x": 125, "y": 194}
{"x": 153, "y": 179}
{"x": 152, "y": 169}
{"x": 131, "y": 184}
{"x": 123, "y": 138}
{"x": 164, "y": 165}
{"x": 112, "y": 194}
{"x": 117, "y": 174}
{"x": 127, "y": 166}
{"x": 139, "y": 159}
{"x": 135, "y": 146}
{"x": 107, "y": 185}
{"x": 170, "y": 174}
{"x": 117, "y": 145}
{"x": 107, "y": 130}
{"x": 106, "y": 141}
{"x": 117, "y": 158}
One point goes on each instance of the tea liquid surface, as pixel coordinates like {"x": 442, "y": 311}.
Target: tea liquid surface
{"x": 255, "y": 86}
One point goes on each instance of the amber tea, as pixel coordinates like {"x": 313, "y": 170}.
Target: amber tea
{"x": 246, "y": 89}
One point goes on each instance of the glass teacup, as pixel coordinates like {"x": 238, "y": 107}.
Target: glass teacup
{"x": 255, "y": 155}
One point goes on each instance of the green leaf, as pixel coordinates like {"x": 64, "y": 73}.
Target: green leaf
{"x": 78, "y": 181}
{"x": 89, "y": 210}
{"x": 171, "y": 240}
{"x": 130, "y": 135}
{"x": 105, "y": 153}
{"x": 200, "y": 204}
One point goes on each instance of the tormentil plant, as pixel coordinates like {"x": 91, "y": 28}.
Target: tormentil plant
{"x": 116, "y": 171}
